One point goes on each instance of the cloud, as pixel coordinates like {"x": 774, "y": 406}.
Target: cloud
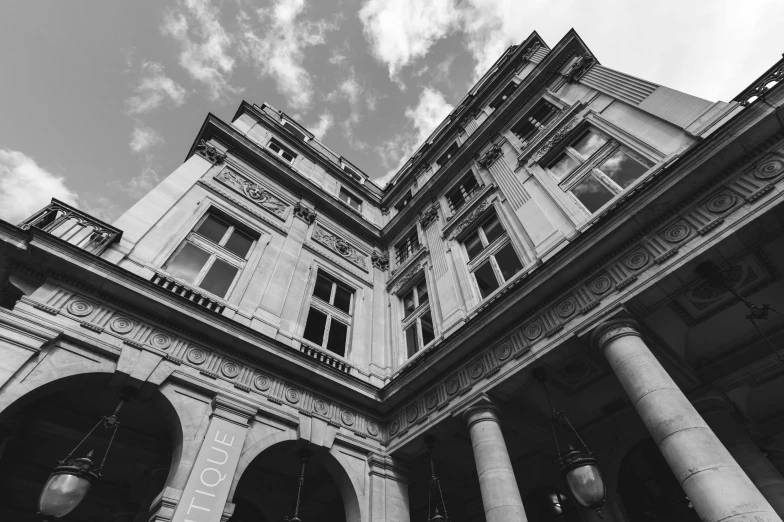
{"x": 276, "y": 48}
{"x": 490, "y": 27}
{"x": 400, "y": 31}
{"x": 141, "y": 184}
{"x": 425, "y": 116}
{"x": 204, "y": 46}
{"x": 324, "y": 124}
{"x": 154, "y": 89}
{"x": 143, "y": 138}
{"x": 25, "y": 187}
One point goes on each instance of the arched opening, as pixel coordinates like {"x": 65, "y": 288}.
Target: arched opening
{"x": 42, "y": 427}
{"x": 648, "y": 488}
{"x": 267, "y": 490}
{"x": 549, "y": 504}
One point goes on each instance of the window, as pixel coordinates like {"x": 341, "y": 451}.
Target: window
{"x": 282, "y": 151}
{"x": 329, "y": 317}
{"x": 406, "y": 247}
{"x": 350, "y": 200}
{"x": 466, "y": 188}
{"x": 295, "y": 131}
{"x": 536, "y": 119}
{"x": 505, "y": 94}
{"x": 351, "y": 172}
{"x": 417, "y": 321}
{"x": 403, "y": 202}
{"x": 212, "y": 255}
{"x": 492, "y": 258}
{"x": 447, "y": 155}
{"x": 594, "y": 169}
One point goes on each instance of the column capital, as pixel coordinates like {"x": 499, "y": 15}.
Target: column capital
{"x": 613, "y": 329}
{"x": 232, "y": 410}
{"x": 480, "y": 412}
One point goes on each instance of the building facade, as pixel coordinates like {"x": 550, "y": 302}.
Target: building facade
{"x": 618, "y": 240}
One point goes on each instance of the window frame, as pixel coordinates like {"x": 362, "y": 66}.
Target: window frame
{"x": 415, "y": 317}
{"x": 451, "y": 150}
{"x": 410, "y": 251}
{"x": 537, "y": 125}
{"x": 459, "y": 187}
{"x": 343, "y": 190}
{"x": 503, "y": 95}
{"x": 589, "y": 166}
{"x": 283, "y": 150}
{"x": 215, "y": 251}
{"x": 332, "y": 312}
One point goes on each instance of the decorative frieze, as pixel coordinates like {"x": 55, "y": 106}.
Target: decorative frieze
{"x": 341, "y": 246}
{"x": 255, "y": 192}
{"x": 469, "y": 218}
{"x": 555, "y": 139}
{"x": 408, "y": 275}
{"x": 210, "y": 153}
{"x": 308, "y": 215}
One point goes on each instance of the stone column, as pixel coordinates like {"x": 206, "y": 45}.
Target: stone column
{"x": 721, "y": 416}
{"x": 500, "y": 495}
{"x": 717, "y": 487}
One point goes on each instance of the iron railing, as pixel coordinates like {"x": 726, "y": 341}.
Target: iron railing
{"x": 763, "y": 84}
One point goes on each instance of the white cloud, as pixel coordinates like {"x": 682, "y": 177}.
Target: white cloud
{"x": 141, "y": 184}
{"x": 324, "y": 124}
{"x": 143, "y": 138}
{"x": 25, "y": 187}
{"x": 400, "y": 31}
{"x": 154, "y": 89}
{"x": 429, "y": 112}
{"x": 277, "y": 47}
{"x": 205, "y": 46}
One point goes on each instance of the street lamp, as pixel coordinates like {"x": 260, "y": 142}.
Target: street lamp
{"x": 71, "y": 479}
{"x": 579, "y": 467}
{"x": 304, "y": 456}
{"x": 430, "y": 442}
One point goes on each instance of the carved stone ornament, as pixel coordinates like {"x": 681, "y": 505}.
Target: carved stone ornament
{"x": 470, "y": 218}
{"x": 308, "y": 215}
{"x": 380, "y": 261}
{"x": 408, "y": 275}
{"x": 341, "y": 246}
{"x": 429, "y": 216}
{"x": 489, "y": 157}
{"x": 210, "y": 153}
{"x": 579, "y": 68}
{"x": 554, "y": 139}
{"x": 254, "y": 191}
{"x": 530, "y": 52}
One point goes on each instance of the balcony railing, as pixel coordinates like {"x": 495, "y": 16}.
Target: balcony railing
{"x": 763, "y": 84}
{"x": 73, "y": 226}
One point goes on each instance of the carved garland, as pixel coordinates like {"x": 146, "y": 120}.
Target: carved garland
{"x": 409, "y": 274}
{"x": 380, "y": 261}
{"x": 258, "y": 194}
{"x": 489, "y": 157}
{"x": 210, "y": 153}
{"x": 341, "y": 246}
{"x": 469, "y": 218}
{"x": 308, "y": 215}
{"x": 429, "y": 216}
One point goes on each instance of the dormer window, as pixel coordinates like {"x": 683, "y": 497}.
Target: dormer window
{"x": 350, "y": 200}
{"x": 461, "y": 193}
{"x": 406, "y": 248}
{"x": 281, "y": 150}
{"x": 296, "y": 130}
{"x": 448, "y": 154}
{"x": 351, "y": 172}
{"x": 537, "y": 118}
{"x": 503, "y": 96}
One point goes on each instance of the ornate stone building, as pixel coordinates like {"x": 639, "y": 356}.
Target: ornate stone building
{"x": 567, "y": 225}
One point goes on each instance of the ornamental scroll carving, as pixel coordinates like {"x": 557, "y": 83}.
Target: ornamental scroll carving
{"x": 380, "y": 261}
{"x": 579, "y": 68}
{"x": 308, "y": 215}
{"x": 489, "y": 157}
{"x": 470, "y": 218}
{"x": 429, "y": 216}
{"x": 341, "y": 246}
{"x": 210, "y": 153}
{"x": 255, "y": 192}
{"x": 554, "y": 139}
{"x": 408, "y": 275}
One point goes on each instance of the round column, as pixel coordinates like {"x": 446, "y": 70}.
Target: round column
{"x": 722, "y": 419}
{"x": 500, "y": 495}
{"x": 717, "y": 487}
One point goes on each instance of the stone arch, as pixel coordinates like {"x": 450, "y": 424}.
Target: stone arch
{"x": 351, "y": 489}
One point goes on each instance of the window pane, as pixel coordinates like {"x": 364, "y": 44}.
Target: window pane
{"x": 314, "y": 327}
{"x": 239, "y": 243}
{"x": 592, "y": 194}
{"x": 563, "y": 167}
{"x": 409, "y": 305}
{"x": 338, "y": 333}
{"x": 428, "y": 334}
{"x": 219, "y": 278}
{"x": 508, "y": 262}
{"x": 473, "y": 245}
{"x": 422, "y": 292}
{"x": 622, "y": 168}
{"x": 213, "y": 229}
{"x": 485, "y": 278}
{"x": 588, "y": 144}
{"x": 188, "y": 262}
{"x": 456, "y": 200}
{"x": 412, "y": 343}
{"x": 342, "y": 299}
{"x": 493, "y": 229}
{"x": 323, "y": 288}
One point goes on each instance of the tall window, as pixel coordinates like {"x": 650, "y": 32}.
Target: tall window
{"x": 594, "y": 168}
{"x": 281, "y": 150}
{"x": 536, "y": 119}
{"x": 492, "y": 258}
{"x": 350, "y": 200}
{"x": 329, "y": 317}
{"x": 448, "y": 154}
{"x": 503, "y": 96}
{"x": 212, "y": 255}
{"x": 461, "y": 193}
{"x": 405, "y": 248}
{"x": 417, "y": 321}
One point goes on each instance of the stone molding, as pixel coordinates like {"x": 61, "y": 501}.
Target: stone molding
{"x": 400, "y": 276}
{"x": 324, "y": 252}
{"x": 380, "y": 261}
{"x": 487, "y": 159}
{"x": 429, "y": 216}
{"x": 240, "y": 202}
{"x": 308, "y": 215}
{"x": 613, "y": 329}
{"x": 255, "y": 192}
{"x": 210, "y": 153}
{"x": 579, "y": 68}
{"x": 530, "y": 52}
{"x": 232, "y": 410}
{"x": 340, "y": 246}
{"x": 467, "y": 214}
{"x": 555, "y": 139}
{"x": 480, "y": 413}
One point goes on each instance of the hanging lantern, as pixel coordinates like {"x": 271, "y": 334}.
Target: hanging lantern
{"x": 579, "y": 467}
{"x": 434, "y": 483}
{"x": 70, "y": 482}
{"x": 304, "y": 456}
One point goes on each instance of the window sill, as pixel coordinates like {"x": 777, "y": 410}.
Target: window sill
{"x": 178, "y": 287}
{"x": 323, "y": 355}
{"x": 501, "y": 290}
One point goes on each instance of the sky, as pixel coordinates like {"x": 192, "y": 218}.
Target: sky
{"x": 100, "y": 100}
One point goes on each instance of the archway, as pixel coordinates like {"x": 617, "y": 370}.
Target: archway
{"x": 268, "y": 486}
{"x": 648, "y": 488}
{"x": 44, "y": 425}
